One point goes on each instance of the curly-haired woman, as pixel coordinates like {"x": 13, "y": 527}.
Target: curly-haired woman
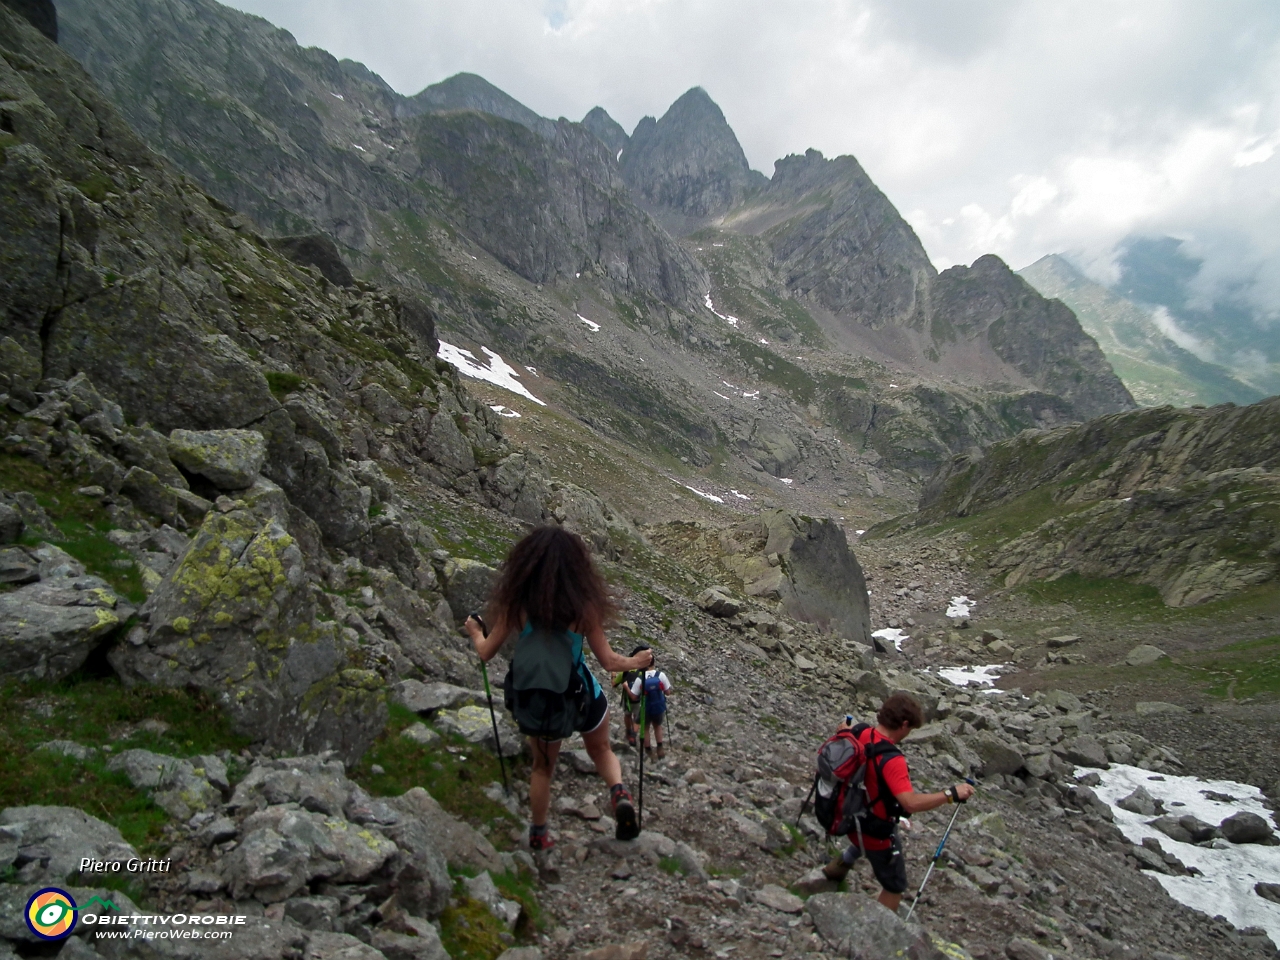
{"x": 549, "y": 582}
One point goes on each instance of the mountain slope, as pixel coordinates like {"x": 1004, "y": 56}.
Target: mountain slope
{"x": 466, "y": 91}
{"x": 1154, "y": 368}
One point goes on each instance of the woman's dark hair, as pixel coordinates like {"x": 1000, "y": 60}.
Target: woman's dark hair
{"x": 643, "y": 646}
{"x": 899, "y": 709}
{"x": 550, "y": 578}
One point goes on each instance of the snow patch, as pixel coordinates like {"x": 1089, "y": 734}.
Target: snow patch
{"x": 974, "y": 676}
{"x": 591, "y": 324}
{"x": 859, "y": 532}
{"x": 338, "y": 95}
{"x": 1230, "y": 871}
{"x": 960, "y": 608}
{"x": 533, "y": 370}
{"x": 706, "y": 496}
{"x": 497, "y": 371}
{"x": 502, "y": 411}
{"x": 619, "y": 156}
{"x": 764, "y": 341}
{"x": 750, "y": 396}
{"x": 891, "y": 635}
{"x": 731, "y": 321}
{"x": 787, "y": 480}
{"x": 740, "y": 496}
{"x": 360, "y": 148}
{"x": 721, "y": 395}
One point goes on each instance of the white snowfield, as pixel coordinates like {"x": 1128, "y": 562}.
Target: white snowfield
{"x": 497, "y": 371}
{"x": 731, "y": 321}
{"x": 591, "y": 324}
{"x": 960, "y": 607}
{"x": 503, "y": 411}
{"x": 982, "y": 677}
{"x": 1229, "y": 870}
{"x": 891, "y": 635}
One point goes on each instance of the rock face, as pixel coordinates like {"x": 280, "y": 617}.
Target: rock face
{"x": 690, "y": 160}
{"x": 229, "y": 459}
{"x": 236, "y": 617}
{"x": 808, "y": 566}
{"x": 607, "y": 129}
{"x": 57, "y": 838}
{"x": 1178, "y": 499}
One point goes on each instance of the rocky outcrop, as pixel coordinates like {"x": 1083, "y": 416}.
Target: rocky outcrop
{"x": 42, "y": 14}
{"x": 1182, "y": 500}
{"x": 690, "y": 160}
{"x": 467, "y": 91}
{"x": 238, "y": 618}
{"x": 804, "y": 564}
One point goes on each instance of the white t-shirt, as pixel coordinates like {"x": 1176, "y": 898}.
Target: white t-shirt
{"x": 637, "y": 685}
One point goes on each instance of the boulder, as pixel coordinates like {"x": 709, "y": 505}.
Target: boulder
{"x": 1083, "y": 751}
{"x": 806, "y": 564}
{"x": 1063, "y": 701}
{"x": 1058, "y": 643}
{"x": 482, "y": 888}
{"x": 467, "y": 585}
{"x": 423, "y": 884}
{"x": 429, "y": 697}
{"x": 47, "y": 629}
{"x": 1144, "y": 654}
{"x": 1246, "y": 827}
{"x": 1151, "y": 708}
{"x": 176, "y": 786}
{"x": 48, "y": 843}
{"x": 1141, "y": 802}
{"x": 328, "y": 945}
{"x": 1171, "y": 828}
{"x": 423, "y": 944}
{"x": 421, "y": 734}
{"x": 462, "y": 845}
{"x": 717, "y": 602}
{"x": 998, "y": 755}
{"x": 238, "y": 618}
{"x": 313, "y": 782}
{"x": 475, "y": 725}
{"x": 1268, "y": 891}
{"x": 857, "y": 927}
{"x": 1198, "y": 829}
{"x": 775, "y": 898}
{"x": 229, "y": 459}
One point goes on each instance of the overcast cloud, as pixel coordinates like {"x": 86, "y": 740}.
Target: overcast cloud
{"x": 1015, "y": 127}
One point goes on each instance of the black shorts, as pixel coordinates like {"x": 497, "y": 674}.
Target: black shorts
{"x": 595, "y": 713}
{"x": 889, "y": 866}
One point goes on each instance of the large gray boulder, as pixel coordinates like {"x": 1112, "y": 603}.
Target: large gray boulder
{"x": 238, "y": 618}
{"x": 463, "y": 846}
{"x": 1245, "y": 827}
{"x": 179, "y": 787}
{"x": 998, "y": 755}
{"x": 807, "y": 565}
{"x": 48, "y": 629}
{"x": 229, "y": 459}
{"x": 855, "y": 926}
{"x": 467, "y": 585}
{"x": 49, "y": 842}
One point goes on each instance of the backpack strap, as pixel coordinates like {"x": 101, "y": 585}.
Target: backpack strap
{"x": 879, "y": 753}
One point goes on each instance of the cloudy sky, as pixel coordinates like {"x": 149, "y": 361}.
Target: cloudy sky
{"x": 1019, "y": 127}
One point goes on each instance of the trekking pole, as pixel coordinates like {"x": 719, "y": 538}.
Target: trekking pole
{"x": 805, "y": 802}
{"x": 643, "y": 743}
{"x": 484, "y": 672}
{"x": 937, "y": 854}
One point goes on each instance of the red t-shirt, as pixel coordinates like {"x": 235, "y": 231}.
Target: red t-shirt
{"x": 896, "y": 778}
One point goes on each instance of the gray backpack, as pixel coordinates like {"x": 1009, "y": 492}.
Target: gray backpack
{"x": 544, "y": 689}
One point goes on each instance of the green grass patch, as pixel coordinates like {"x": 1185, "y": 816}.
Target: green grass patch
{"x": 456, "y": 778}
{"x": 100, "y": 712}
{"x": 1247, "y": 669}
{"x": 1098, "y": 595}
{"x": 470, "y": 932}
{"x": 670, "y": 865}
{"x": 282, "y": 383}
{"x": 82, "y": 524}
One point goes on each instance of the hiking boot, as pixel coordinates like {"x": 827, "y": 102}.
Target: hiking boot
{"x": 631, "y": 737}
{"x": 836, "y": 870}
{"x": 662, "y": 751}
{"x": 651, "y": 753}
{"x": 624, "y": 814}
{"x": 542, "y": 842}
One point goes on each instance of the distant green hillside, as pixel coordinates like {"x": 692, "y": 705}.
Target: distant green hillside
{"x": 1154, "y": 368}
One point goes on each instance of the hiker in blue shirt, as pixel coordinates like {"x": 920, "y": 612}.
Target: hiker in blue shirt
{"x": 652, "y": 686}
{"x": 551, "y": 596}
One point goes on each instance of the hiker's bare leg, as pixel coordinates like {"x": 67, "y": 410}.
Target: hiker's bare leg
{"x": 544, "y": 765}
{"x": 890, "y": 900}
{"x": 606, "y": 761}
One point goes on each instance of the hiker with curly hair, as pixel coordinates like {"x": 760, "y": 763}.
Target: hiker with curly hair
{"x": 552, "y": 598}
{"x": 890, "y": 796}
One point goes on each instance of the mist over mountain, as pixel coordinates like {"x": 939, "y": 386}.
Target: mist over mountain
{"x": 1218, "y": 325}
{"x": 1155, "y": 368}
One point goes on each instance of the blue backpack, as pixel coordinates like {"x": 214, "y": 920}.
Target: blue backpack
{"x": 655, "y": 700}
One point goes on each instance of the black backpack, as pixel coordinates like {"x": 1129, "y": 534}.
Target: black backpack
{"x": 544, "y": 689}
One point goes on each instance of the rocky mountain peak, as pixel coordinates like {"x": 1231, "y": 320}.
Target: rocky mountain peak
{"x": 689, "y": 161}
{"x": 468, "y": 91}
{"x": 607, "y": 129}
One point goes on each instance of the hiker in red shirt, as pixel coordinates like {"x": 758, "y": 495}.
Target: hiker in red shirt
{"x": 891, "y": 797}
